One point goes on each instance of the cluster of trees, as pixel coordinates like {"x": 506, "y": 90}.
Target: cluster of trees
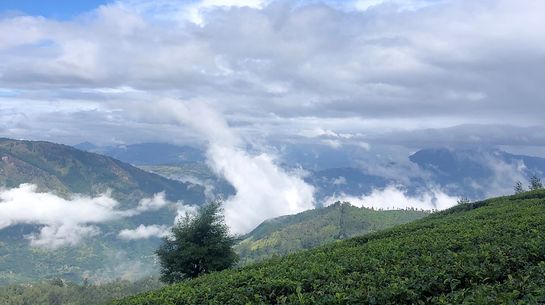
{"x": 535, "y": 184}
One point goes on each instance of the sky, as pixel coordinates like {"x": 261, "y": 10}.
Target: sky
{"x": 413, "y": 73}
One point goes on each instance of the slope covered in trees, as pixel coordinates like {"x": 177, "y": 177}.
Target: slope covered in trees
{"x": 66, "y": 170}
{"x": 309, "y": 229}
{"x": 488, "y": 252}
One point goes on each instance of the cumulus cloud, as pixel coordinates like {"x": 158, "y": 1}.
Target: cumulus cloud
{"x": 144, "y": 232}
{"x": 152, "y": 204}
{"x": 393, "y": 197}
{"x": 63, "y": 222}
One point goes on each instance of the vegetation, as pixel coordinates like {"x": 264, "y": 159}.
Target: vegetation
{"x": 199, "y": 244}
{"x": 59, "y": 292}
{"x": 309, "y": 229}
{"x": 488, "y": 252}
{"x": 66, "y": 170}
{"x": 519, "y": 188}
{"x": 535, "y": 183}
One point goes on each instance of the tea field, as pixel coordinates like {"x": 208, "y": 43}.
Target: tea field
{"x": 488, "y": 252}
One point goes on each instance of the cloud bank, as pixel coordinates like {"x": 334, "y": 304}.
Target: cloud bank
{"x": 144, "y": 232}
{"x": 67, "y": 222}
{"x": 393, "y": 197}
{"x": 351, "y": 67}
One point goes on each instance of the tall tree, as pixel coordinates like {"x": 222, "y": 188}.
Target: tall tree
{"x": 535, "y": 183}
{"x": 198, "y": 244}
{"x": 519, "y": 188}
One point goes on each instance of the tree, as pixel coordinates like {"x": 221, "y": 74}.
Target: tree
{"x": 519, "y": 188}
{"x": 535, "y": 183}
{"x": 198, "y": 244}
{"x": 462, "y": 200}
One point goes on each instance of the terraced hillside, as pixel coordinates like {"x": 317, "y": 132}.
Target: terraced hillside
{"x": 488, "y": 252}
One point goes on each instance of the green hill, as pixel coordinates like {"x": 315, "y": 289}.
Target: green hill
{"x": 66, "y": 170}
{"x": 309, "y": 229}
{"x": 488, "y": 252}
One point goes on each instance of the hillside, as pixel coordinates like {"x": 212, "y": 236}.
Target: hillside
{"x": 66, "y": 170}
{"x": 147, "y": 153}
{"x": 198, "y": 173}
{"x": 309, "y": 229}
{"x": 488, "y": 252}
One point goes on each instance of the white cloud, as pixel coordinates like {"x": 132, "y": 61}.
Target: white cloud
{"x": 335, "y": 144}
{"x": 263, "y": 189}
{"x": 364, "y": 145}
{"x": 66, "y": 234}
{"x": 364, "y": 5}
{"x": 419, "y": 66}
{"x": 393, "y": 197}
{"x": 339, "y": 181}
{"x": 154, "y": 203}
{"x": 64, "y": 222}
{"x": 144, "y": 232}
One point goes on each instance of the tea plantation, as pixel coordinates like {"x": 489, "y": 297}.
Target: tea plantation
{"x": 489, "y": 252}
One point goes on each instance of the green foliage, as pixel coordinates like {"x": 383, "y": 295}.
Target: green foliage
{"x": 462, "y": 200}
{"x": 59, "y": 292}
{"x": 309, "y": 229}
{"x": 519, "y": 188}
{"x": 535, "y": 183}
{"x": 66, "y": 170}
{"x": 489, "y": 252}
{"x": 199, "y": 244}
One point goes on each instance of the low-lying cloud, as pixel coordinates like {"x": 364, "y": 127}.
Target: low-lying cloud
{"x": 263, "y": 189}
{"x": 393, "y": 198}
{"x": 144, "y": 232}
{"x": 66, "y": 222}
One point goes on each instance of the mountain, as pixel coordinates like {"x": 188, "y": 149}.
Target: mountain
{"x": 309, "y": 229}
{"x": 66, "y": 170}
{"x": 148, "y": 153}
{"x": 345, "y": 180}
{"x": 198, "y": 173}
{"x": 69, "y": 173}
{"x": 477, "y": 172}
{"x": 487, "y": 252}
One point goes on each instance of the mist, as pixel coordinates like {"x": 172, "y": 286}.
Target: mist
{"x": 67, "y": 222}
{"x": 394, "y": 198}
{"x": 263, "y": 189}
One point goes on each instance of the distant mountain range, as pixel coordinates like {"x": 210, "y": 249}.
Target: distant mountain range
{"x": 477, "y": 173}
{"x": 463, "y": 172}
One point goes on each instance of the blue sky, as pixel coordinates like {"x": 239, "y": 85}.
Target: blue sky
{"x": 56, "y": 9}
